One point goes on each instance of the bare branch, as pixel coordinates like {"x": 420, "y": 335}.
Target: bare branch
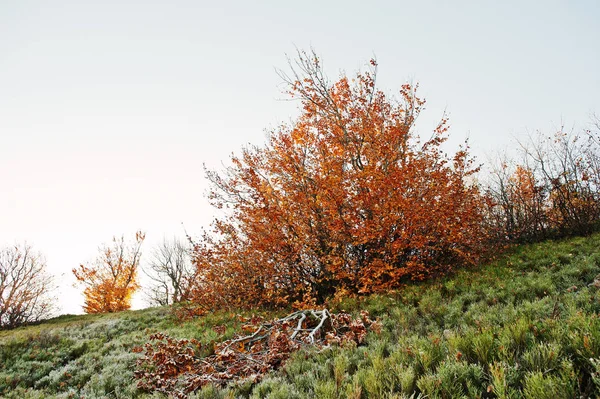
{"x": 25, "y": 287}
{"x": 171, "y": 272}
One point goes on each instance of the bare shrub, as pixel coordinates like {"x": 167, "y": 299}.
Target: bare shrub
{"x": 25, "y": 286}
{"x": 171, "y": 272}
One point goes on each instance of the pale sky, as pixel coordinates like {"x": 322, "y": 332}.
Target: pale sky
{"x": 108, "y": 109}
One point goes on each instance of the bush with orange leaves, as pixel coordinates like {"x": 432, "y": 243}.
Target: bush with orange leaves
{"x": 344, "y": 199}
{"x": 554, "y": 192}
{"x": 111, "y": 279}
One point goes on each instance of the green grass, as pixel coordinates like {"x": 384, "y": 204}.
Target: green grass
{"x": 516, "y": 328}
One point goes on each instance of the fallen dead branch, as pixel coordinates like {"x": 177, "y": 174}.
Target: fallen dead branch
{"x": 173, "y": 367}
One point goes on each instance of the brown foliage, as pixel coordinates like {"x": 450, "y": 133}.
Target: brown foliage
{"x": 173, "y": 366}
{"x": 554, "y": 192}
{"x": 346, "y": 197}
{"x": 24, "y": 286}
{"x": 516, "y": 205}
{"x": 112, "y": 278}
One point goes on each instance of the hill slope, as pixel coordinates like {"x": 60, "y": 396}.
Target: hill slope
{"x": 526, "y": 325}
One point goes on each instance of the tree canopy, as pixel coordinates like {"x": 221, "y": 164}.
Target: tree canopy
{"x": 346, "y": 198}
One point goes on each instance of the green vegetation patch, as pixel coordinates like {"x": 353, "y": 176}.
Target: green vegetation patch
{"x": 524, "y": 326}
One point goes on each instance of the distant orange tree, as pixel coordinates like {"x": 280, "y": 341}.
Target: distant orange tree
{"x": 111, "y": 279}
{"x": 344, "y": 199}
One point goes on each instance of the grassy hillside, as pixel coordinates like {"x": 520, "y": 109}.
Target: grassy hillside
{"x": 526, "y": 325}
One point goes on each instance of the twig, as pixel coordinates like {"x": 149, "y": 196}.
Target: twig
{"x": 299, "y": 327}
{"x": 325, "y": 316}
{"x": 242, "y": 339}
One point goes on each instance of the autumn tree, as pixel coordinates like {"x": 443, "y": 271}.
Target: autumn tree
{"x": 25, "y": 286}
{"x": 171, "y": 272}
{"x": 344, "y": 199}
{"x": 554, "y": 191}
{"x": 516, "y": 204}
{"x": 569, "y": 166}
{"x": 111, "y": 279}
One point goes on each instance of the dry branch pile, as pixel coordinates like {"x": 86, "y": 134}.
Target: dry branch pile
{"x": 173, "y": 366}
